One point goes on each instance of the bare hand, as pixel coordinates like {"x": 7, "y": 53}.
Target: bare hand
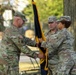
{"x": 41, "y": 55}
{"x": 40, "y": 40}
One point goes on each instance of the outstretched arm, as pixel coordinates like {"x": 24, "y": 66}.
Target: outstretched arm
{"x": 28, "y": 41}
{"x": 28, "y": 52}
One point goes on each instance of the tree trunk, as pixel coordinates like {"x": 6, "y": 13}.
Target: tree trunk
{"x": 70, "y": 10}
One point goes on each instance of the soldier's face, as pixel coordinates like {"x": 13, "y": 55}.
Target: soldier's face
{"x": 60, "y": 25}
{"x": 52, "y": 25}
{"x": 18, "y": 22}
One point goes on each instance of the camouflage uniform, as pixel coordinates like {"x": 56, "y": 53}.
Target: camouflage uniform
{"x": 14, "y": 46}
{"x": 65, "y": 52}
{"x": 62, "y": 45}
{"x": 69, "y": 56}
{"x": 3, "y": 56}
{"x": 53, "y": 62}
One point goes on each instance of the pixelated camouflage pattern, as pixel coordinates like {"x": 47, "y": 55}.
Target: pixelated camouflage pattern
{"x": 62, "y": 44}
{"x": 52, "y": 19}
{"x": 64, "y": 18}
{"x": 14, "y": 49}
{"x": 3, "y": 62}
{"x": 53, "y": 62}
{"x": 19, "y": 14}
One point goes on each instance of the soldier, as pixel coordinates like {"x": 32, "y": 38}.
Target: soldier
{"x": 52, "y": 23}
{"x": 66, "y": 52}
{"x": 3, "y": 56}
{"x": 15, "y": 45}
{"x": 62, "y": 45}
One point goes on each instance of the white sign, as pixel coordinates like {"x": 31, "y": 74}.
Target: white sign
{"x": 7, "y": 15}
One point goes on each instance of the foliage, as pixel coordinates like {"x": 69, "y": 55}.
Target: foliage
{"x": 46, "y": 8}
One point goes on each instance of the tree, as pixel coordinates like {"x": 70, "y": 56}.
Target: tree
{"x": 70, "y": 10}
{"x": 46, "y": 8}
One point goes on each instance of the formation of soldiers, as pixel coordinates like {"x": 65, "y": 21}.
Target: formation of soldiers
{"x": 59, "y": 42}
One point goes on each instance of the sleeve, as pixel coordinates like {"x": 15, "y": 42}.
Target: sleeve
{"x": 14, "y": 40}
{"x": 29, "y": 42}
{"x": 43, "y": 44}
{"x": 55, "y": 45}
{"x": 3, "y": 54}
{"x": 6, "y": 33}
{"x": 59, "y": 40}
{"x": 23, "y": 48}
{"x": 28, "y": 52}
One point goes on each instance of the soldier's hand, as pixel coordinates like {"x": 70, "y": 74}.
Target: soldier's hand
{"x": 41, "y": 55}
{"x": 40, "y": 40}
{"x": 38, "y": 44}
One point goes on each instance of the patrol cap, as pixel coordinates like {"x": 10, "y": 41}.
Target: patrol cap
{"x": 19, "y": 14}
{"x": 52, "y": 19}
{"x": 64, "y": 18}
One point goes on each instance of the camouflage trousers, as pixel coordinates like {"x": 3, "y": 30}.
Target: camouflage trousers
{"x": 65, "y": 68}
{"x": 3, "y": 70}
{"x": 66, "y": 64}
{"x": 73, "y": 72}
{"x": 53, "y": 65}
{"x": 52, "y": 69}
{"x": 13, "y": 71}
